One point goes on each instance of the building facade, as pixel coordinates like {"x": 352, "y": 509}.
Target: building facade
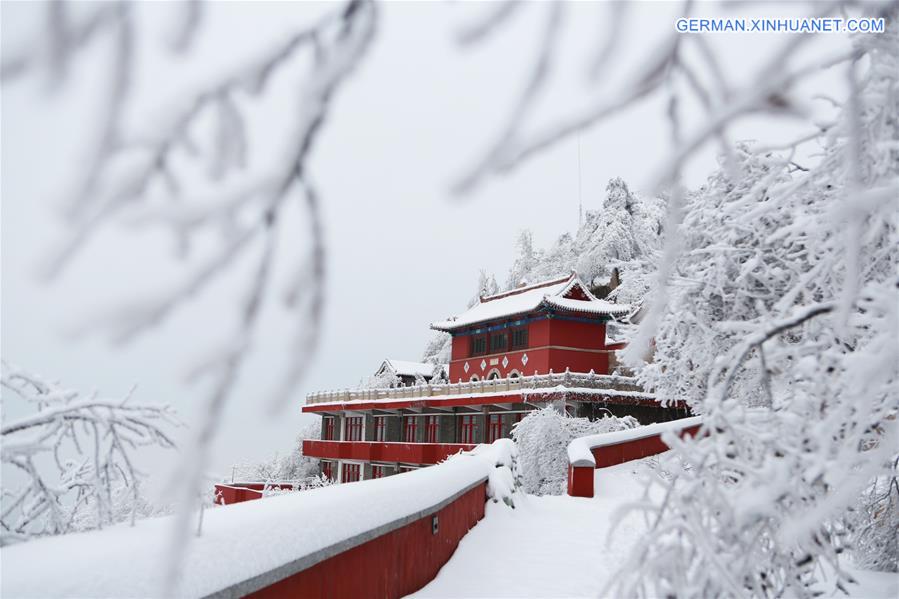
{"x": 513, "y": 352}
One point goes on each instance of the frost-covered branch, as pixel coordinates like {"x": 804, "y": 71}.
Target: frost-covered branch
{"x": 766, "y": 92}
{"x": 76, "y": 455}
{"x": 779, "y": 326}
{"x": 186, "y": 169}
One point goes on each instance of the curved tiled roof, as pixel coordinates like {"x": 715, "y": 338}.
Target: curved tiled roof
{"x": 524, "y": 300}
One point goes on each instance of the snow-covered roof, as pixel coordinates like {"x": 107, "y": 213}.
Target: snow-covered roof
{"x": 406, "y": 368}
{"x": 565, "y": 293}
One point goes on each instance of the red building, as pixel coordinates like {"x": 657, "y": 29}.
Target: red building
{"x": 511, "y": 353}
{"x": 554, "y": 325}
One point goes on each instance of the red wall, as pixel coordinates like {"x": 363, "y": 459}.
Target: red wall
{"x": 541, "y": 333}
{"x": 373, "y": 451}
{"x": 560, "y": 359}
{"x": 584, "y": 335}
{"x": 226, "y": 494}
{"x": 392, "y": 565}
{"x": 580, "y": 479}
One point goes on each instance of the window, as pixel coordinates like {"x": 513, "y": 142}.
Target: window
{"x": 410, "y": 427}
{"x": 350, "y": 473}
{"x": 474, "y": 378}
{"x": 498, "y": 342}
{"x": 354, "y": 429}
{"x": 379, "y": 471}
{"x": 380, "y": 428}
{"x": 520, "y": 339}
{"x": 493, "y": 375}
{"x": 328, "y": 429}
{"x": 328, "y": 469}
{"x": 478, "y": 346}
{"x": 468, "y": 428}
{"x": 495, "y": 428}
{"x": 432, "y": 429}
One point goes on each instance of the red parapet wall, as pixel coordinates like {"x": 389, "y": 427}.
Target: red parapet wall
{"x": 229, "y": 493}
{"x": 580, "y": 478}
{"x": 373, "y": 451}
{"x": 580, "y": 481}
{"x": 392, "y": 565}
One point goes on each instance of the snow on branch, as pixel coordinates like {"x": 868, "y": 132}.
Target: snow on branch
{"x": 779, "y": 328}
{"x": 767, "y": 91}
{"x": 76, "y": 454}
{"x": 187, "y": 169}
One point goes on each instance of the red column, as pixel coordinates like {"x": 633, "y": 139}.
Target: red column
{"x": 580, "y": 481}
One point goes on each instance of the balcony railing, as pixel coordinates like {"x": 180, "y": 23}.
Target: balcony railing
{"x": 571, "y": 380}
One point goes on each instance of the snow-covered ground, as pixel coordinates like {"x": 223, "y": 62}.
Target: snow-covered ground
{"x": 550, "y": 546}
{"x": 559, "y": 546}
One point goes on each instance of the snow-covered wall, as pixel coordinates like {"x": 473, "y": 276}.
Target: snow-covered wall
{"x": 250, "y": 546}
{"x": 580, "y": 450}
{"x": 608, "y": 449}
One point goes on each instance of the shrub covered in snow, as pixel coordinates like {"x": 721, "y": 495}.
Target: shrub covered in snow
{"x": 304, "y": 484}
{"x": 542, "y": 438}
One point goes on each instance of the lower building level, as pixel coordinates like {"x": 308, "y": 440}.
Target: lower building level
{"x": 373, "y": 433}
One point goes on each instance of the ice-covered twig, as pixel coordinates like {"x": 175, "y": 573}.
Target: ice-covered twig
{"x": 86, "y": 491}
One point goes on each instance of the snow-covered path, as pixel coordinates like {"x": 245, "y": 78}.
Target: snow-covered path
{"x": 548, "y": 546}
{"x": 557, "y": 546}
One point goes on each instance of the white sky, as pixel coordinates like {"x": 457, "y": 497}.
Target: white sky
{"x": 401, "y": 251}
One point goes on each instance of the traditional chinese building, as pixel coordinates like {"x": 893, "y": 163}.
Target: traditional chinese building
{"x": 511, "y": 353}
{"x": 410, "y": 373}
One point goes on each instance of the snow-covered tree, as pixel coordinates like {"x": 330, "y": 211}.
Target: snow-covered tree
{"x": 542, "y": 438}
{"x": 75, "y": 454}
{"x": 123, "y": 503}
{"x": 438, "y": 349}
{"x": 875, "y": 524}
{"x": 780, "y": 328}
{"x": 386, "y": 379}
{"x": 729, "y": 270}
{"x": 623, "y": 237}
{"x": 526, "y": 261}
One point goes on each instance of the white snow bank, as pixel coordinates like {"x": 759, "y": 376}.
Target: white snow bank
{"x": 579, "y": 450}
{"x": 239, "y": 541}
{"x": 502, "y": 484}
{"x": 549, "y": 546}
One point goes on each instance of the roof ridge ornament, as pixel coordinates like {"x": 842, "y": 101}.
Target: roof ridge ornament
{"x": 546, "y": 283}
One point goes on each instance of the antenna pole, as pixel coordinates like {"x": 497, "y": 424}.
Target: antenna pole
{"x": 580, "y": 202}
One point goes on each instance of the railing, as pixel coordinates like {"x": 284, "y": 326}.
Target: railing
{"x": 378, "y": 451}
{"x": 609, "y": 449}
{"x": 571, "y": 380}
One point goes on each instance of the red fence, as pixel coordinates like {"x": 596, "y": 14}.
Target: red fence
{"x": 605, "y": 454}
{"x": 228, "y": 493}
{"x": 369, "y": 451}
{"x": 386, "y": 564}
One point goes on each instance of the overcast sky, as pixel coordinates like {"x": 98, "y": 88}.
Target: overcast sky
{"x": 402, "y": 251}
